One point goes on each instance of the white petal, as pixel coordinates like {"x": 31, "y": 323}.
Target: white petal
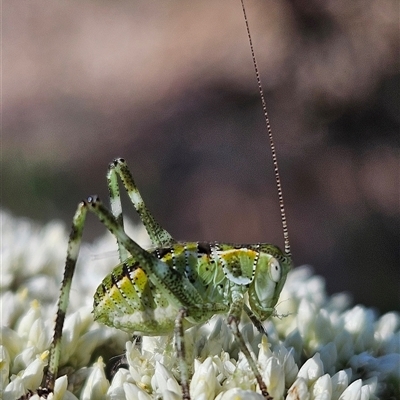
{"x": 87, "y": 343}
{"x": 38, "y": 335}
{"x": 163, "y": 381}
{"x": 96, "y": 385}
{"x": 298, "y": 391}
{"x": 75, "y": 325}
{"x": 369, "y": 388}
{"x": 353, "y": 392}
{"x": 239, "y": 394}
{"x": 204, "y": 382}
{"x": 387, "y": 325}
{"x": 328, "y": 356}
{"x": 132, "y": 392}
{"x": 24, "y": 359}
{"x": 265, "y": 352}
{"x": 312, "y": 369}
{"x": 171, "y": 395}
{"x": 60, "y": 390}
{"x": 340, "y": 381}
{"x": 323, "y": 328}
{"x": 12, "y": 341}
{"x": 286, "y": 359}
{"x": 359, "y": 321}
{"x": 32, "y": 376}
{"x": 306, "y": 319}
{"x": 26, "y": 322}
{"x": 14, "y": 389}
{"x": 274, "y": 378}
{"x": 321, "y": 389}
{"x": 391, "y": 345}
{"x": 344, "y": 346}
{"x": 120, "y": 377}
{"x": 295, "y": 341}
{"x": 4, "y": 366}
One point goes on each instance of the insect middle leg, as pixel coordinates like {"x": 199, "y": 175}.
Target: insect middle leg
{"x": 181, "y": 354}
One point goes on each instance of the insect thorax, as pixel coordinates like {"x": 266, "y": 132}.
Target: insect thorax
{"x": 131, "y": 300}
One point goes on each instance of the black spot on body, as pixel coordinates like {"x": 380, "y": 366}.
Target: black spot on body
{"x": 104, "y": 289}
{"x": 204, "y": 248}
{"x": 236, "y": 270}
{"x": 74, "y": 234}
{"x": 160, "y": 253}
{"x": 126, "y": 270}
{"x": 114, "y": 279}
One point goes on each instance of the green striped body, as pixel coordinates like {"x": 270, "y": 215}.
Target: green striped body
{"x": 133, "y": 300}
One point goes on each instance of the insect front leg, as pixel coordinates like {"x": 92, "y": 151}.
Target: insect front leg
{"x": 158, "y": 235}
{"x": 256, "y": 322}
{"x": 233, "y": 321}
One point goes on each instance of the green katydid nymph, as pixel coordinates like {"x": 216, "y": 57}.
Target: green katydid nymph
{"x": 175, "y": 285}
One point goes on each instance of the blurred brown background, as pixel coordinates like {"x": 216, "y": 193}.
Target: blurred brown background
{"x": 170, "y": 87}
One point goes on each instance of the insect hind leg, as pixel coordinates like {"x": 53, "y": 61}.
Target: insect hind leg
{"x": 116, "y": 206}
{"x": 94, "y": 205}
{"x": 74, "y": 243}
{"x": 158, "y": 235}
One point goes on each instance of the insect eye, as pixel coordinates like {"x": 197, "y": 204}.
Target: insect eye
{"x": 275, "y": 270}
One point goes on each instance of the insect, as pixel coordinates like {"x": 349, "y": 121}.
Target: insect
{"x": 175, "y": 285}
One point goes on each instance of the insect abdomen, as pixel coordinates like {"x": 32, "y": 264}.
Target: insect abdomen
{"x": 127, "y": 300}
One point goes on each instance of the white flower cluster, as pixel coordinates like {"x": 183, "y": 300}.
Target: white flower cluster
{"x": 317, "y": 347}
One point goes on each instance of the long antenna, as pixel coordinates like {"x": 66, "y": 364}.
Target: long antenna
{"x": 271, "y": 139}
